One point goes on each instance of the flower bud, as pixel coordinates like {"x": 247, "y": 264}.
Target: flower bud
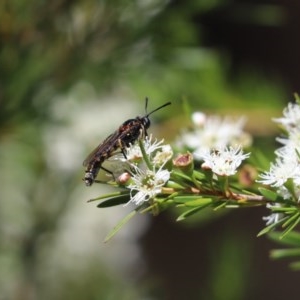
{"x": 124, "y": 178}
{"x": 184, "y": 162}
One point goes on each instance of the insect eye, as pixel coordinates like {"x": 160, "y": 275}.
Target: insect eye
{"x": 146, "y": 122}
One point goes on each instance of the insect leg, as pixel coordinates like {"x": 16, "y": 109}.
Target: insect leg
{"x": 123, "y": 152}
{"x": 145, "y": 132}
{"x": 108, "y": 171}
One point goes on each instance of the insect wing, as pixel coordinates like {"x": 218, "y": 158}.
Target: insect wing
{"x": 104, "y": 149}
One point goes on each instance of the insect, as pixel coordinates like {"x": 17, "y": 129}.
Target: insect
{"x": 129, "y": 132}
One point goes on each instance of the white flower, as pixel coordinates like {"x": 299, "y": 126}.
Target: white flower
{"x": 147, "y": 183}
{"x": 284, "y": 192}
{"x": 223, "y": 161}
{"x": 280, "y": 172}
{"x": 134, "y": 151}
{"x": 152, "y": 146}
{"x": 157, "y": 153}
{"x": 293, "y": 138}
{"x": 287, "y": 152}
{"x": 163, "y": 156}
{"x": 287, "y": 164}
{"x": 214, "y": 132}
{"x": 274, "y": 217}
{"x": 291, "y": 117}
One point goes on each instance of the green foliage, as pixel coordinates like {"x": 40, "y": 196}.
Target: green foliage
{"x": 269, "y": 194}
{"x": 292, "y": 240}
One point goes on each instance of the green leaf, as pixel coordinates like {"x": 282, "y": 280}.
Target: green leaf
{"x": 285, "y": 210}
{"x": 186, "y": 108}
{"x": 295, "y": 265}
{"x": 221, "y": 205}
{"x": 272, "y": 226}
{"x": 289, "y": 184}
{"x": 178, "y": 175}
{"x": 184, "y": 199}
{"x": 199, "y": 202}
{"x": 120, "y": 225}
{"x": 175, "y": 185}
{"x": 113, "y": 201}
{"x": 110, "y": 195}
{"x": 268, "y": 194}
{"x": 198, "y": 175}
{"x": 292, "y": 239}
{"x": 285, "y": 253}
{"x": 291, "y": 224}
{"x": 191, "y": 212}
{"x": 260, "y": 159}
{"x": 291, "y": 219}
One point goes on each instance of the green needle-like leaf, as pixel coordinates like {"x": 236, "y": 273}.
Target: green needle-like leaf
{"x": 120, "y": 225}
{"x": 285, "y": 210}
{"x": 291, "y": 225}
{"x": 292, "y": 239}
{"x": 285, "y": 253}
{"x": 113, "y": 201}
{"x": 290, "y": 220}
{"x": 110, "y": 195}
{"x": 184, "y": 199}
{"x": 199, "y": 202}
{"x": 191, "y": 212}
{"x": 295, "y": 265}
{"x": 272, "y": 226}
{"x": 268, "y": 194}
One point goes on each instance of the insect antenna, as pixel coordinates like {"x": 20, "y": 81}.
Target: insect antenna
{"x": 146, "y": 105}
{"x": 151, "y": 112}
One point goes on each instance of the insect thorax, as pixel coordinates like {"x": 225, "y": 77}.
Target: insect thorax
{"x": 132, "y": 130}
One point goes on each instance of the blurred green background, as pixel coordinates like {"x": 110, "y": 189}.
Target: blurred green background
{"x": 70, "y": 73}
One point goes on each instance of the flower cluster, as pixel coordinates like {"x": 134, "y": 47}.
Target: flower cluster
{"x": 284, "y": 173}
{"x": 213, "y": 132}
{"x": 287, "y": 164}
{"x": 223, "y": 161}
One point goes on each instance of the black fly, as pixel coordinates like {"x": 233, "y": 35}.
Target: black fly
{"x": 129, "y": 132}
